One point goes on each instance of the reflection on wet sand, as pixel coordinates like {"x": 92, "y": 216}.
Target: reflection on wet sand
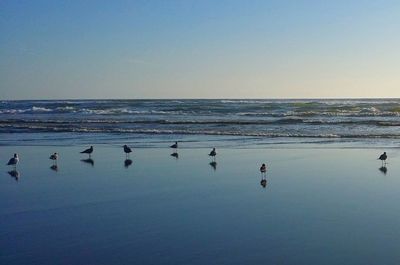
{"x": 175, "y": 154}
{"x": 263, "y": 183}
{"x": 88, "y": 161}
{"x": 213, "y": 164}
{"x": 14, "y": 174}
{"x": 383, "y": 169}
{"x": 128, "y": 162}
{"x": 54, "y": 167}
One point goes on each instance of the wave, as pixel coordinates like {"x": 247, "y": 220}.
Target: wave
{"x": 370, "y": 112}
{"x": 281, "y": 121}
{"x": 261, "y": 118}
{"x": 42, "y": 129}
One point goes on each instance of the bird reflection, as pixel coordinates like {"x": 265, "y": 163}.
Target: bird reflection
{"x": 88, "y": 161}
{"x": 213, "y": 164}
{"x": 175, "y": 154}
{"x": 263, "y": 182}
{"x": 383, "y": 169}
{"x": 14, "y": 173}
{"x": 128, "y": 162}
{"x": 54, "y": 167}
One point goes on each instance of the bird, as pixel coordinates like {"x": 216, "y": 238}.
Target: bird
{"x": 88, "y": 151}
{"x": 127, "y": 150}
{"x": 13, "y": 161}
{"x": 263, "y": 168}
{"x": 175, "y": 145}
{"x": 383, "y": 157}
{"x": 54, "y": 157}
{"x": 213, "y": 153}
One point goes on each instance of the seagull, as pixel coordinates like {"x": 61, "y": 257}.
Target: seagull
{"x": 127, "y": 150}
{"x": 54, "y": 157}
{"x": 88, "y": 151}
{"x": 213, "y": 153}
{"x": 175, "y": 145}
{"x": 13, "y": 161}
{"x": 383, "y": 157}
{"x": 263, "y": 168}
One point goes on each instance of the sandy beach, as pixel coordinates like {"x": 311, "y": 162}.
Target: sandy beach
{"x": 320, "y": 206}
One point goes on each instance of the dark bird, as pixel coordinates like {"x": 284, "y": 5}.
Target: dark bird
{"x": 54, "y": 157}
{"x": 383, "y": 157}
{"x": 213, "y": 153}
{"x": 13, "y": 161}
{"x": 127, "y": 150}
{"x": 263, "y": 168}
{"x": 88, "y": 151}
{"x": 175, "y": 145}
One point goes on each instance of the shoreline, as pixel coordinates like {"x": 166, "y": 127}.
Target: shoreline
{"x": 192, "y": 141}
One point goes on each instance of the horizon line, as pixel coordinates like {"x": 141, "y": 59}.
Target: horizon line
{"x": 272, "y": 98}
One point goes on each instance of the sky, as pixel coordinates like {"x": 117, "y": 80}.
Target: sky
{"x": 199, "y": 49}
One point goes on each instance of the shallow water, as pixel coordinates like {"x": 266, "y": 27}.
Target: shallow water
{"x": 320, "y": 206}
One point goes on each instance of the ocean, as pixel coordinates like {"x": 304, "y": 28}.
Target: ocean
{"x": 347, "y": 122}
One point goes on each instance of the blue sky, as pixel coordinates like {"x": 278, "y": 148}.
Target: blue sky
{"x": 199, "y": 49}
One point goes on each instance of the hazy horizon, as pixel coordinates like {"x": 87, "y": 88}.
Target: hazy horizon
{"x": 94, "y": 99}
{"x": 192, "y": 50}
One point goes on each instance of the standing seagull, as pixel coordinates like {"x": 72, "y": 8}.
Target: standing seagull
{"x": 127, "y": 150}
{"x": 263, "y": 169}
{"x": 13, "y": 161}
{"x": 175, "y": 145}
{"x": 88, "y": 151}
{"x": 54, "y": 157}
{"x": 383, "y": 158}
{"x": 213, "y": 153}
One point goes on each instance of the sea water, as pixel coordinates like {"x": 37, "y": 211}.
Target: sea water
{"x": 226, "y": 122}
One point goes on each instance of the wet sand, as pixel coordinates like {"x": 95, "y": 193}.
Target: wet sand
{"x": 319, "y": 206}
